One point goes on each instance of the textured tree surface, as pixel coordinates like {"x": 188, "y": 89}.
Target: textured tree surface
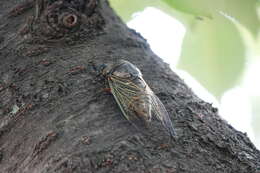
{"x": 54, "y": 116}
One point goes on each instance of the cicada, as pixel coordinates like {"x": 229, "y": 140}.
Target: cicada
{"x": 134, "y": 97}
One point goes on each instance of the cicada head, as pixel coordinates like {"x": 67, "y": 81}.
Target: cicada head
{"x": 104, "y": 69}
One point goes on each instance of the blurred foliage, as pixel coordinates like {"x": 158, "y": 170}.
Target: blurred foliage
{"x": 241, "y": 11}
{"x": 125, "y": 9}
{"x": 214, "y": 53}
{"x": 213, "y": 50}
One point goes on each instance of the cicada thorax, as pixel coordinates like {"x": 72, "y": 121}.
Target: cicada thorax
{"x": 122, "y": 69}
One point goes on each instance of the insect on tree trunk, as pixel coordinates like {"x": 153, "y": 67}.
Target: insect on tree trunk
{"x": 54, "y": 116}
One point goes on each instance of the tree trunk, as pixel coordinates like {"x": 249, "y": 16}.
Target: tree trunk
{"x": 54, "y": 116}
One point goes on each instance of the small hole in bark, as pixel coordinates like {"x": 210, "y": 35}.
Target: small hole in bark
{"x": 70, "y": 20}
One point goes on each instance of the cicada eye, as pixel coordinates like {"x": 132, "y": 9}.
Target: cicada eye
{"x": 105, "y": 69}
{"x": 101, "y": 69}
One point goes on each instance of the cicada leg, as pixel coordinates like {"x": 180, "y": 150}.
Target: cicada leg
{"x": 107, "y": 90}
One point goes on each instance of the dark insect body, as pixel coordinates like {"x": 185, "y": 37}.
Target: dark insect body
{"x": 134, "y": 97}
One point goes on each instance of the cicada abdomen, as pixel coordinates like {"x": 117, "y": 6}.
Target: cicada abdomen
{"x": 134, "y": 97}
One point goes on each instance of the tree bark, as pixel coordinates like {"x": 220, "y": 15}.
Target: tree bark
{"x": 54, "y": 116}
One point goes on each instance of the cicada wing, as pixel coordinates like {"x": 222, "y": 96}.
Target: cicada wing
{"x": 131, "y": 100}
{"x": 121, "y": 98}
{"x": 161, "y": 113}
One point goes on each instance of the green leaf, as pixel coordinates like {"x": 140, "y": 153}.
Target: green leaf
{"x": 198, "y": 8}
{"x": 213, "y": 52}
{"x": 241, "y": 11}
{"x": 125, "y": 9}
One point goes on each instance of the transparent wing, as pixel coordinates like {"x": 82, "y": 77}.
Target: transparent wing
{"x": 134, "y": 103}
{"x": 161, "y": 113}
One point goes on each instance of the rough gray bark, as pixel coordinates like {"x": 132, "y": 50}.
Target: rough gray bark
{"x": 54, "y": 116}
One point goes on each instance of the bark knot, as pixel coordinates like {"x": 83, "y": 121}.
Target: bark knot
{"x": 57, "y": 18}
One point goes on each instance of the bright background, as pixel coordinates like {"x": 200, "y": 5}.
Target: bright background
{"x": 215, "y": 48}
